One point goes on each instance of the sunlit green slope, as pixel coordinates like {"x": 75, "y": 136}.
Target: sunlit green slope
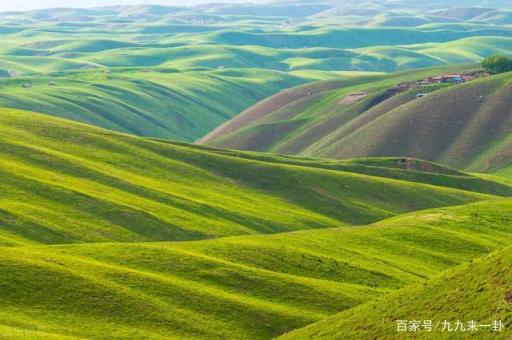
{"x": 239, "y": 287}
{"x": 64, "y": 182}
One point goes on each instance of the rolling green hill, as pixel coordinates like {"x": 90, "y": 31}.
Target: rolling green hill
{"x": 478, "y": 291}
{"x": 249, "y": 286}
{"x": 72, "y": 192}
{"x": 301, "y": 48}
{"x": 114, "y": 187}
{"x": 375, "y": 204}
{"x": 179, "y": 72}
{"x": 154, "y": 102}
{"x": 463, "y": 126}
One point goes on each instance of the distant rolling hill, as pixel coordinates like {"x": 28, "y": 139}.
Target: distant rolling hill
{"x": 179, "y": 72}
{"x": 315, "y": 47}
{"x": 148, "y": 102}
{"x": 284, "y": 36}
{"x": 65, "y": 182}
{"x": 464, "y": 126}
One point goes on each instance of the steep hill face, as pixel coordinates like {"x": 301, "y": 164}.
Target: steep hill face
{"x": 64, "y": 182}
{"x": 465, "y": 126}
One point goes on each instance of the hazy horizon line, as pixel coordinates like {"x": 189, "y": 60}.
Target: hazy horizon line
{"x": 27, "y": 6}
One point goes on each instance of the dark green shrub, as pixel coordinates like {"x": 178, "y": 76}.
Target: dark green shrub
{"x": 497, "y": 64}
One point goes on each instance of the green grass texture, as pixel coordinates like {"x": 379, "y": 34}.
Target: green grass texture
{"x": 65, "y": 182}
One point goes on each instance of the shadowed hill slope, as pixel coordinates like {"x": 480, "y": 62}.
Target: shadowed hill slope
{"x": 308, "y": 104}
{"x": 466, "y": 127}
{"x": 249, "y": 286}
{"x": 64, "y": 182}
{"x": 463, "y": 126}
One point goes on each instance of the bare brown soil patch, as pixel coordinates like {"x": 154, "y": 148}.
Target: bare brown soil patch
{"x": 353, "y": 98}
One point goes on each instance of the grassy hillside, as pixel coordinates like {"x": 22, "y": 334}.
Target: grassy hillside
{"x": 464, "y": 126}
{"x": 470, "y": 125}
{"x": 72, "y": 192}
{"x": 349, "y": 38}
{"x": 250, "y": 286}
{"x": 308, "y": 104}
{"x": 478, "y": 291}
{"x": 154, "y": 102}
{"x": 109, "y": 229}
{"x": 507, "y": 172}
{"x": 180, "y": 72}
{"x": 113, "y": 187}
{"x": 310, "y": 47}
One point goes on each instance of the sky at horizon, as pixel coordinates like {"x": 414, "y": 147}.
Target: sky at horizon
{"x": 27, "y": 5}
